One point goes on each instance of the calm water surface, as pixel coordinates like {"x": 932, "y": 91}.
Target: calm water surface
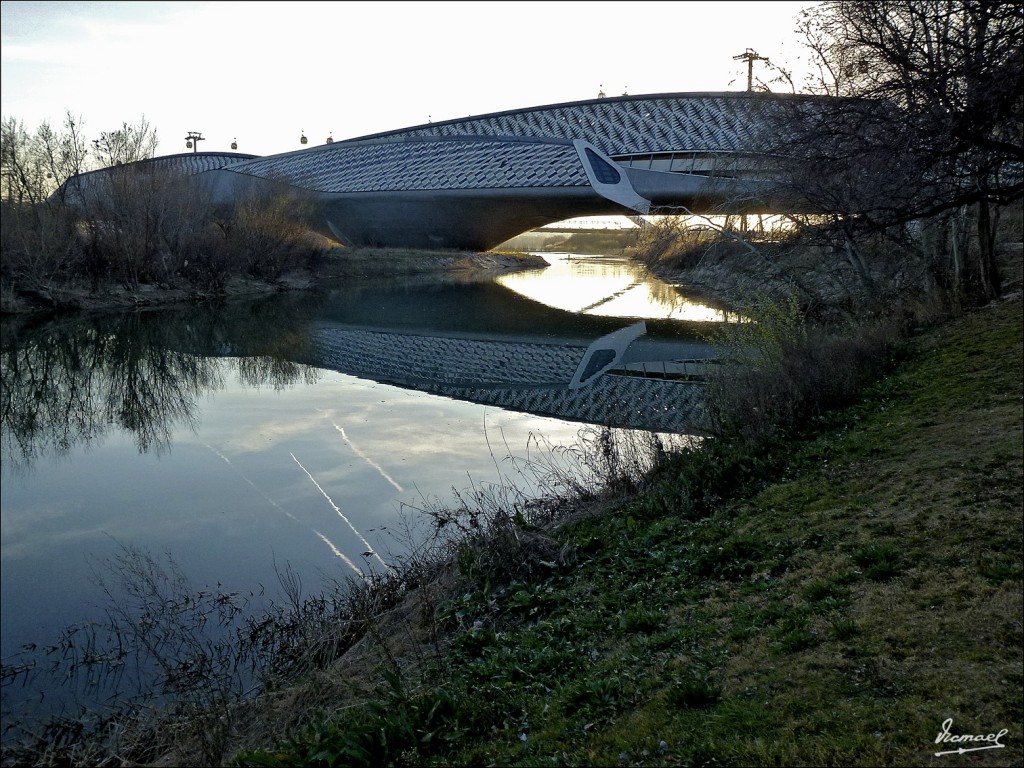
{"x": 299, "y": 429}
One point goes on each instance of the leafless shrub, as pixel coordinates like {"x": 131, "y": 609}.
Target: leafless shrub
{"x": 265, "y": 232}
{"x": 38, "y": 240}
{"x": 40, "y": 246}
{"x": 499, "y": 531}
{"x": 144, "y": 223}
{"x": 834, "y": 277}
{"x": 778, "y": 372}
{"x": 669, "y": 242}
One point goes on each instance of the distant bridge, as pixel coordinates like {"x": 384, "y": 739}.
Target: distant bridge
{"x": 599, "y": 225}
{"x": 475, "y": 182}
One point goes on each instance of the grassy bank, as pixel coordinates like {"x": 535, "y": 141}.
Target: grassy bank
{"x": 831, "y": 601}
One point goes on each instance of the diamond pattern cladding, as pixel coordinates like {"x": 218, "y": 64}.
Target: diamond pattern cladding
{"x": 453, "y": 361}
{"x": 614, "y": 401}
{"x": 187, "y": 164}
{"x": 425, "y": 165}
{"x": 508, "y": 374}
{"x": 627, "y": 125}
{"x": 196, "y": 162}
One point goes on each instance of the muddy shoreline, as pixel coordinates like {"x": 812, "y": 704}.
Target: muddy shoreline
{"x": 363, "y": 263}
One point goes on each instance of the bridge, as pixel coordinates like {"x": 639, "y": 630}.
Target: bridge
{"x": 475, "y": 182}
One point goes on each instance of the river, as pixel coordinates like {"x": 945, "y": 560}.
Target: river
{"x": 306, "y": 429}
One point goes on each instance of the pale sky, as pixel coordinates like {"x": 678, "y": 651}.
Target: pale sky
{"x": 264, "y": 72}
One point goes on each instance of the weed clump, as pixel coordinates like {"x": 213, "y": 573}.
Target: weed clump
{"x": 881, "y": 560}
{"x": 693, "y": 694}
{"x": 779, "y": 374}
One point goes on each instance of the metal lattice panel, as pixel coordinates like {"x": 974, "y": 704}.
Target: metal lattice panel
{"x": 197, "y": 162}
{"x": 93, "y": 183}
{"x": 391, "y": 166}
{"x": 615, "y": 401}
{"x": 630, "y": 124}
{"x": 186, "y": 164}
{"x": 406, "y": 358}
{"x": 521, "y": 376}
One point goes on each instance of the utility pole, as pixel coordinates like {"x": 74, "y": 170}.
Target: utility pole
{"x": 750, "y": 55}
{"x": 193, "y": 139}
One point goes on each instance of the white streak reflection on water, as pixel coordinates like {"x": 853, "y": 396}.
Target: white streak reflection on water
{"x": 367, "y": 459}
{"x": 344, "y": 558}
{"x": 369, "y": 551}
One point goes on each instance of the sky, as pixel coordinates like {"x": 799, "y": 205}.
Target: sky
{"x": 264, "y": 73}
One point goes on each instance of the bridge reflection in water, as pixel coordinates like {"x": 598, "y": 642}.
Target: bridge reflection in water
{"x": 482, "y": 342}
{"x": 511, "y": 344}
{"x": 600, "y": 383}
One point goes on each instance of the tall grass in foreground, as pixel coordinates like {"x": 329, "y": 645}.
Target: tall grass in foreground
{"x": 499, "y": 531}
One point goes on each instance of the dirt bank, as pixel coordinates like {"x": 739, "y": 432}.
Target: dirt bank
{"x": 339, "y": 264}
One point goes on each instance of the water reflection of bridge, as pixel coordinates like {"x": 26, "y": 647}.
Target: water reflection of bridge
{"x": 522, "y": 375}
{"x": 488, "y": 344}
{"x": 144, "y": 372}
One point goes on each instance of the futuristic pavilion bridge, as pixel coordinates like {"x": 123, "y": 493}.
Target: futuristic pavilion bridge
{"x": 473, "y": 183}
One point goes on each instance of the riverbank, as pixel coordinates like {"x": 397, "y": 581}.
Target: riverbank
{"x": 847, "y": 594}
{"x": 834, "y": 599}
{"x": 724, "y": 270}
{"x": 337, "y": 265}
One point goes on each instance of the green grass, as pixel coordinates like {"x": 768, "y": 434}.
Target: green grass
{"x": 863, "y": 586}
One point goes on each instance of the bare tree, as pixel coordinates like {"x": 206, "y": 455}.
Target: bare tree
{"x": 146, "y": 220}
{"x": 64, "y": 153}
{"x": 35, "y": 165}
{"x": 126, "y": 144}
{"x": 266, "y": 227}
{"x": 934, "y": 122}
{"x": 38, "y": 240}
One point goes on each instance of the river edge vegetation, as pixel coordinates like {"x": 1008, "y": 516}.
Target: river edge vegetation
{"x": 148, "y": 239}
{"x": 827, "y": 589}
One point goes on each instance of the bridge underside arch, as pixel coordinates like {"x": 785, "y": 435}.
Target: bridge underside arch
{"x": 480, "y": 219}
